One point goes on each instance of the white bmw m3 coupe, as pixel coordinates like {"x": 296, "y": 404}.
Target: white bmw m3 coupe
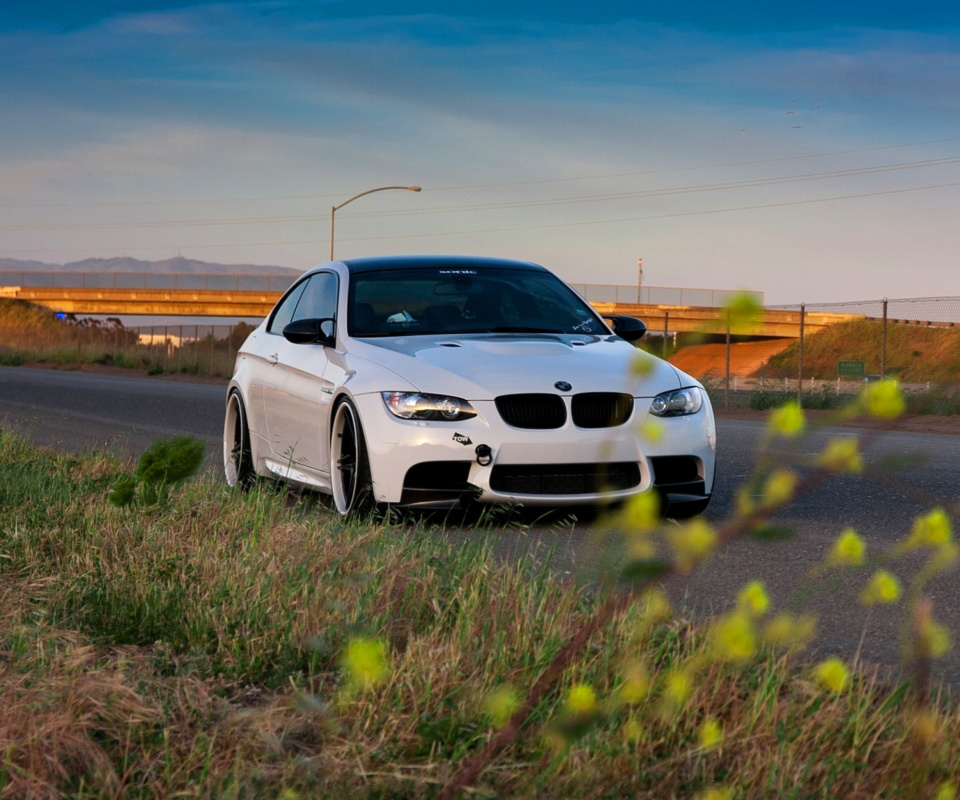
{"x": 437, "y": 381}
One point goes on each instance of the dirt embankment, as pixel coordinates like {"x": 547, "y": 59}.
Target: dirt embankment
{"x": 710, "y": 360}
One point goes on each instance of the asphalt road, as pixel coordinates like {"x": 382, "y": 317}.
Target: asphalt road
{"x": 76, "y": 411}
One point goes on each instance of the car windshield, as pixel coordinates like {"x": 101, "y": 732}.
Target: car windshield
{"x": 438, "y": 300}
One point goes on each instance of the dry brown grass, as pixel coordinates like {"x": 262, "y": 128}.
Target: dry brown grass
{"x": 914, "y": 354}
{"x": 193, "y": 651}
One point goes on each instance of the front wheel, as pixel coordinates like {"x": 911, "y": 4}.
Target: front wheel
{"x": 349, "y": 468}
{"x": 237, "y": 456}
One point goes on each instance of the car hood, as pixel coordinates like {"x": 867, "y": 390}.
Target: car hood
{"x": 480, "y": 367}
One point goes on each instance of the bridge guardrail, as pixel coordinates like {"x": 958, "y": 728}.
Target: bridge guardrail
{"x": 592, "y": 292}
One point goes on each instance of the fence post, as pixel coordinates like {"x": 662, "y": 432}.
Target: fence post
{"x": 726, "y": 382}
{"x": 666, "y": 329}
{"x": 883, "y": 343}
{"x": 803, "y": 312}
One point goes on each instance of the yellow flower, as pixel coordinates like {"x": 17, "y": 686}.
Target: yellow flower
{"x": 640, "y": 547}
{"x": 365, "y": 662}
{"x": 753, "y": 599}
{"x": 692, "y": 543}
{"x": 790, "y": 630}
{"x": 933, "y": 639}
{"x": 848, "y": 551}
{"x": 656, "y": 606}
{"x": 945, "y": 556}
{"x": 842, "y": 455}
{"x": 734, "y": 638}
{"x": 716, "y": 793}
{"x": 501, "y": 704}
{"x": 947, "y": 791}
{"x": 636, "y": 684}
{"x": 652, "y": 430}
{"x": 883, "y": 589}
{"x": 787, "y": 421}
{"x": 832, "y": 674}
{"x": 642, "y": 511}
{"x": 677, "y": 688}
{"x": 581, "y": 699}
{"x": 744, "y": 313}
{"x": 930, "y": 530}
{"x": 711, "y": 734}
{"x": 632, "y": 731}
{"x": 779, "y": 488}
{"x": 745, "y": 502}
{"x": 883, "y": 399}
{"x": 642, "y": 364}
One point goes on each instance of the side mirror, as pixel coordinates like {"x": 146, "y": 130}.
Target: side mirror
{"x": 311, "y": 331}
{"x": 629, "y": 329}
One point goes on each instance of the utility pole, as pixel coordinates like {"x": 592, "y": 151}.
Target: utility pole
{"x": 639, "y": 278}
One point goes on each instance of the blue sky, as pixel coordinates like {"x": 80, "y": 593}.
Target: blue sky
{"x": 811, "y": 152}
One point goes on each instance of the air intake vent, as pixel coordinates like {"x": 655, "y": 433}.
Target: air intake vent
{"x": 533, "y": 411}
{"x": 601, "y": 409}
{"x": 560, "y": 479}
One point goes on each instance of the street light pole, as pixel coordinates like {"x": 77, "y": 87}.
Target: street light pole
{"x": 334, "y": 210}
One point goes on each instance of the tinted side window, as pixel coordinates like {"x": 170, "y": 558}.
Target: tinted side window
{"x": 319, "y": 298}
{"x": 284, "y": 312}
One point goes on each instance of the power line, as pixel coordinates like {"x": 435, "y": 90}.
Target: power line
{"x": 546, "y": 226}
{"x": 335, "y": 194}
{"x": 644, "y": 193}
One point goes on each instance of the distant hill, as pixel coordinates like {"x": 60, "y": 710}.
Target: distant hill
{"x": 127, "y": 264}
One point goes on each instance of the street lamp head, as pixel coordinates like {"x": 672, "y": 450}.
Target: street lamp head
{"x": 336, "y": 208}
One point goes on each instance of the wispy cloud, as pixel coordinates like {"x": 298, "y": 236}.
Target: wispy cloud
{"x": 287, "y": 98}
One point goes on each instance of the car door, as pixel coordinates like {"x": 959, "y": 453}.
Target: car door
{"x": 296, "y": 398}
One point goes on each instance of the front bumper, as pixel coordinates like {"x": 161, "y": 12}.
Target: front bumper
{"x": 441, "y": 464}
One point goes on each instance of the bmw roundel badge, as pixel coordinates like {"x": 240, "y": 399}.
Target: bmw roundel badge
{"x": 563, "y": 386}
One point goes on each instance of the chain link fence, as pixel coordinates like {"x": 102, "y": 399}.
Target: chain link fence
{"x": 207, "y": 350}
{"x": 658, "y": 295}
{"x": 914, "y": 340}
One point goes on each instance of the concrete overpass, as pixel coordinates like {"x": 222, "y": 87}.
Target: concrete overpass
{"x": 256, "y": 304}
{"x": 148, "y": 302}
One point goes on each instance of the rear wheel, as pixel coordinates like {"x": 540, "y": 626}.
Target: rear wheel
{"x": 349, "y": 468}
{"x": 237, "y": 456}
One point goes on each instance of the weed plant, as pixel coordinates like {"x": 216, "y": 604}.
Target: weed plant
{"x": 941, "y": 402}
{"x": 821, "y": 399}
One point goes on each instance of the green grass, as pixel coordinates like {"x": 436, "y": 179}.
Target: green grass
{"x": 914, "y": 354}
{"x": 194, "y": 650}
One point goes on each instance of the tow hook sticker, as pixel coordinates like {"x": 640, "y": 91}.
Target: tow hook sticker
{"x": 461, "y": 439}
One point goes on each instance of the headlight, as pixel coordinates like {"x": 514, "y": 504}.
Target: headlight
{"x": 413, "y": 405}
{"x": 678, "y": 403}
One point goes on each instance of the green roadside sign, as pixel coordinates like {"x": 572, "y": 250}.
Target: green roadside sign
{"x": 851, "y": 369}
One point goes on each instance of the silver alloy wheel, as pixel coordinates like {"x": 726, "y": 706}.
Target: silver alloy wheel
{"x": 237, "y": 458}
{"x": 349, "y": 469}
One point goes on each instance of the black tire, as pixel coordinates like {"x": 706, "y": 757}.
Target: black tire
{"x": 349, "y": 466}
{"x": 237, "y": 455}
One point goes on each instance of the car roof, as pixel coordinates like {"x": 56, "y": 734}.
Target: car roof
{"x": 378, "y": 263}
